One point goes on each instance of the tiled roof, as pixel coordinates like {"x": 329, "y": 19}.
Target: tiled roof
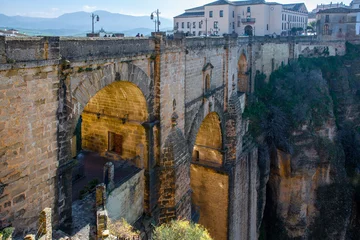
{"x": 191, "y": 14}
{"x": 293, "y": 6}
{"x": 253, "y": 2}
{"x": 196, "y": 8}
{"x": 219, "y": 2}
{"x": 338, "y": 10}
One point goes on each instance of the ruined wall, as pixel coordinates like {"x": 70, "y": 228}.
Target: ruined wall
{"x": 127, "y": 200}
{"x": 210, "y": 193}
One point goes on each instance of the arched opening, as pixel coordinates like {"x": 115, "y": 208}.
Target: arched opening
{"x": 208, "y": 142}
{"x": 111, "y": 131}
{"x": 248, "y": 30}
{"x": 207, "y": 83}
{"x": 209, "y": 184}
{"x": 243, "y": 79}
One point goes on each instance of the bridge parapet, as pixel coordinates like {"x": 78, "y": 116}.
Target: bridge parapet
{"x": 29, "y": 49}
{"x": 96, "y": 48}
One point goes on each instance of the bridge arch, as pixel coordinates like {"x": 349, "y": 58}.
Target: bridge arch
{"x": 198, "y": 119}
{"x": 243, "y": 78}
{"x": 85, "y": 85}
{"x": 209, "y": 184}
{"x": 88, "y": 92}
{"x": 209, "y": 141}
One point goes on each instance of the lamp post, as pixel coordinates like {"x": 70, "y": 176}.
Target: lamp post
{"x": 205, "y": 25}
{"x": 93, "y": 16}
{"x": 157, "y": 21}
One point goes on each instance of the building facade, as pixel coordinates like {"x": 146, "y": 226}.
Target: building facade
{"x": 255, "y": 17}
{"x": 339, "y": 23}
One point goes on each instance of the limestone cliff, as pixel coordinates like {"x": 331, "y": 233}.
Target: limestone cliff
{"x": 307, "y": 115}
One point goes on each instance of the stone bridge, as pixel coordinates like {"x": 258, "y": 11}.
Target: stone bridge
{"x": 174, "y": 105}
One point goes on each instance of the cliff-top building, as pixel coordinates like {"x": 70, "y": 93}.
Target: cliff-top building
{"x": 254, "y": 17}
{"x": 339, "y": 23}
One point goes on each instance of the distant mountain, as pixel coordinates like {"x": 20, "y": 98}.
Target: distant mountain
{"x": 78, "y": 23}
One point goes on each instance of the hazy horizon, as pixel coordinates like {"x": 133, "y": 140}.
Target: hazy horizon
{"x": 47, "y": 9}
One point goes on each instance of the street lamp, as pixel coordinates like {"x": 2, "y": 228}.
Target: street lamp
{"x": 205, "y": 25}
{"x": 93, "y": 16}
{"x": 157, "y": 21}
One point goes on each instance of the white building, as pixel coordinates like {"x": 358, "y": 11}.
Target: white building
{"x": 253, "y": 17}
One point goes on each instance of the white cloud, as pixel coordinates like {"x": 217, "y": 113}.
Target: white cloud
{"x": 88, "y": 8}
{"x": 55, "y": 9}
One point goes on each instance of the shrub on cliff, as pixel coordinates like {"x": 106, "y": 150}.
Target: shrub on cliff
{"x": 178, "y": 230}
{"x": 123, "y": 230}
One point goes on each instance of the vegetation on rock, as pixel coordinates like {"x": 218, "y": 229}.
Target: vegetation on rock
{"x": 294, "y": 112}
{"x": 178, "y": 230}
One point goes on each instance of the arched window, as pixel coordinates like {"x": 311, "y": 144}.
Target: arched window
{"x": 207, "y": 83}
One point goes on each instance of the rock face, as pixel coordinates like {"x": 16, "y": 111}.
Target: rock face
{"x": 311, "y": 127}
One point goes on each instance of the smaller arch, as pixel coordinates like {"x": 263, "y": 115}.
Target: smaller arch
{"x": 207, "y": 83}
{"x": 209, "y": 141}
{"x": 243, "y": 79}
{"x": 248, "y": 30}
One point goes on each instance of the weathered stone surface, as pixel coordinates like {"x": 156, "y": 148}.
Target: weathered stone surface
{"x": 132, "y": 87}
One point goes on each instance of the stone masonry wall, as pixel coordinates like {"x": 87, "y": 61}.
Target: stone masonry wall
{"x": 42, "y": 98}
{"x": 210, "y": 193}
{"x": 28, "y": 143}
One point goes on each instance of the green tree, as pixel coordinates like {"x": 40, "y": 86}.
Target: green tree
{"x": 179, "y": 230}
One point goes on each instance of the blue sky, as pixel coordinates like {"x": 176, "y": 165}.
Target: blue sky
{"x": 168, "y": 8}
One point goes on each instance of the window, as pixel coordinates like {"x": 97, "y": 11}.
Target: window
{"x": 326, "y": 30}
{"x": 215, "y": 25}
{"x": 194, "y": 24}
{"x": 221, "y": 13}
{"x": 238, "y": 23}
{"x": 115, "y": 142}
{"x": 188, "y": 25}
{"x": 233, "y": 25}
{"x": 340, "y": 30}
{"x": 285, "y": 17}
{"x": 248, "y": 9}
{"x": 267, "y": 26}
{"x": 182, "y": 25}
{"x": 207, "y": 83}
{"x": 197, "y": 155}
{"x": 177, "y": 25}
{"x": 200, "y": 25}
{"x": 194, "y": 33}
{"x": 233, "y": 14}
{"x": 211, "y": 14}
{"x": 327, "y": 18}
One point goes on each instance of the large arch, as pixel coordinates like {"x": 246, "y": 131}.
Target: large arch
{"x": 85, "y": 85}
{"x": 243, "y": 78}
{"x": 77, "y": 87}
{"x": 209, "y": 184}
{"x": 112, "y": 121}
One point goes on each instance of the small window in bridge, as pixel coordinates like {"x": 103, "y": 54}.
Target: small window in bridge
{"x": 207, "y": 83}
{"x": 115, "y": 143}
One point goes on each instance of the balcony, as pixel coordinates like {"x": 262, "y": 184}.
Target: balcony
{"x": 248, "y": 20}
